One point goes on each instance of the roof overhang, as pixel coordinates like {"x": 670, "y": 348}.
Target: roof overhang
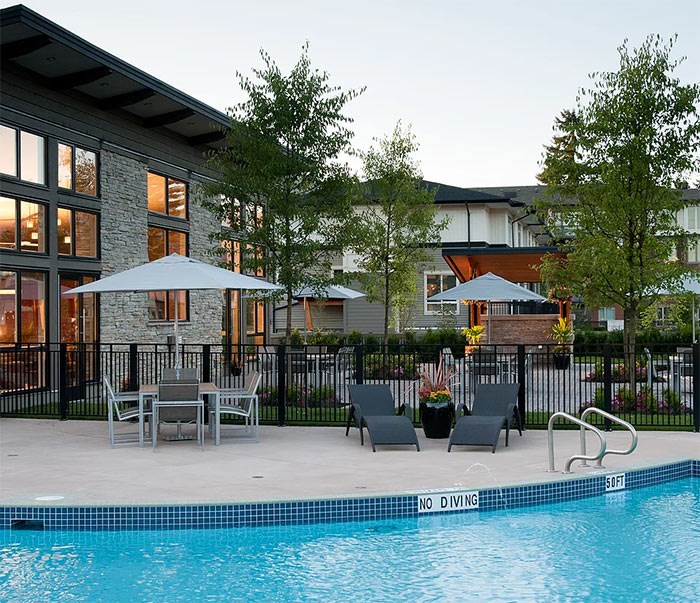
{"x": 516, "y": 264}
{"x": 42, "y": 50}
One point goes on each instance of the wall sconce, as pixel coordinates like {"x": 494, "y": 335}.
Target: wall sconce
{"x": 35, "y": 236}
{"x": 58, "y": 221}
{"x": 66, "y": 239}
{"x": 29, "y": 223}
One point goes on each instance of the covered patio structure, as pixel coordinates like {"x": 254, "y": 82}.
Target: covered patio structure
{"x": 518, "y": 265}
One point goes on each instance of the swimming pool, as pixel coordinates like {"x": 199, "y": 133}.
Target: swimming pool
{"x": 630, "y": 545}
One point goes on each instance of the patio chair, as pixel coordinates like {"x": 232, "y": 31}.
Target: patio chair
{"x": 178, "y": 415}
{"x": 495, "y": 406}
{"x": 174, "y": 374}
{"x": 372, "y": 406}
{"x": 123, "y": 406}
{"x": 179, "y": 401}
{"x": 241, "y": 403}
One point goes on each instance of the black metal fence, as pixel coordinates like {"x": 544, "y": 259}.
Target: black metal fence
{"x": 308, "y": 384}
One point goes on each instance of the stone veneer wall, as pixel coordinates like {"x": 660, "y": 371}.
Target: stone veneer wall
{"x": 124, "y": 244}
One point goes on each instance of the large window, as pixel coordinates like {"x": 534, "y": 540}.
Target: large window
{"x": 22, "y": 225}
{"x": 162, "y": 242}
{"x": 22, "y": 307}
{"x": 437, "y": 283}
{"x": 22, "y": 155}
{"x": 167, "y": 196}
{"x": 77, "y": 233}
{"x": 77, "y": 169}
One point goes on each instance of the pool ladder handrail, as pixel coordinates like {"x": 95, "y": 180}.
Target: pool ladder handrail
{"x": 584, "y": 425}
{"x": 614, "y": 419}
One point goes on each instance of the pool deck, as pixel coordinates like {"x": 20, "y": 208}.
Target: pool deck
{"x": 73, "y": 460}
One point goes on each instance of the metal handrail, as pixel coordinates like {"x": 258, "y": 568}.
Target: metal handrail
{"x": 582, "y": 456}
{"x": 614, "y": 419}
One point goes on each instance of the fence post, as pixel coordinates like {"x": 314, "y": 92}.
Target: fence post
{"x": 607, "y": 383}
{"x": 696, "y": 387}
{"x": 206, "y": 363}
{"x": 281, "y": 384}
{"x": 360, "y": 364}
{"x": 522, "y": 379}
{"x": 133, "y": 367}
{"x": 63, "y": 381}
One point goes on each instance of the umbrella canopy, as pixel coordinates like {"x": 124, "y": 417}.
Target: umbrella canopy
{"x": 173, "y": 273}
{"x": 329, "y": 292}
{"x": 488, "y": 287}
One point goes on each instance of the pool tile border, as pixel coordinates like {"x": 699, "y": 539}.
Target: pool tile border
{"x": 170, "y": 517}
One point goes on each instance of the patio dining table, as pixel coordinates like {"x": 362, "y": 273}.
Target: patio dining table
{"x": 149, "y": 391}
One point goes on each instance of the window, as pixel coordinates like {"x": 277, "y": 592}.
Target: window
{"x": 77, "y": 233}
{"x": 437, "y": 283}
{"x": 28, "y": 233}
{"x": 162, "y": 242}
{"x": 606, "y": 314}
{"x": 23, "y": 155}
{"x": 22, "y": 307}
{"x": 167, "y": 196}
{"x": 77, "y": 169}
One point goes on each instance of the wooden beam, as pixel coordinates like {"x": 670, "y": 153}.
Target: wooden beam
{"x": 20, "y": 48}
{"x": 124, "y": 100}
{"x": 79, "y": 78}
{"x": 207, "y": 138}
{"x": 167, "y": 118}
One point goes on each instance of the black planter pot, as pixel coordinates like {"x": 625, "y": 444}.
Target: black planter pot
{"x": 561, "y": 361}
{"x": 436, "y": 419}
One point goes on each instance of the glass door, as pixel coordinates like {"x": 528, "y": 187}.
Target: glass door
{"x": 78, "y": 318}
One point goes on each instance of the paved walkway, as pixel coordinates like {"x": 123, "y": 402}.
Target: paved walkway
{"x": 73, "y": 459}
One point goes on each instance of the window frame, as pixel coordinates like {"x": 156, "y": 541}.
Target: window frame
{"x": 18, "y": 225}
{"x": 169, "y": 304}
{"x": 74, "y": 148}
{"x": 17, "y": 176}
{"x": 443, "y": 304}
{"x": 73, "y": 233}
{"x": 167, "y": 213}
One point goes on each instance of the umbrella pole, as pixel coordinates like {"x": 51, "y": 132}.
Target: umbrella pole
{"x": 177, "y": 343}
{"x": 488, "y": 322}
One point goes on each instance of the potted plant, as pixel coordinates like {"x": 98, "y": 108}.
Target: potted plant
{"x": 562, "y": 334}
{"x": 437, "y": 409}
{"x": 473, "y": 335}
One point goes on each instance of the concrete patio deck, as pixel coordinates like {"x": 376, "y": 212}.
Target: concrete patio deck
{"x": 73, "y": 460}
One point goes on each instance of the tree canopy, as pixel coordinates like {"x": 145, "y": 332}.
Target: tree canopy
{"x": 285, "y": 192}
{"x": 612, "y": 173}
{"x": 397, "y": 222}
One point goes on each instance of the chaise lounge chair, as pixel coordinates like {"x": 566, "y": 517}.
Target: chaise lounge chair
{"x": 495, "y": 407}
{"x": 372, "y": 406}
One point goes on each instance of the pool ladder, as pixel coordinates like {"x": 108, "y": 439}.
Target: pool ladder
{"x": 598, "y": 457}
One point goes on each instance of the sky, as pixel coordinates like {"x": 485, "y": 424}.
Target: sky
{"x": 478, "y": 81}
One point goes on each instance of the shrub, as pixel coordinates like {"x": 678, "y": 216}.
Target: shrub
{"x": 381, "y": 366}
{"x": 672, "y": 403}
{"x": 646, "y": 401}
{"x": 624, "y": 401}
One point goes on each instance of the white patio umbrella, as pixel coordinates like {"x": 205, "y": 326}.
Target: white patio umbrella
{"x": 173, "y": 273}
{"x": 328, "y": 292}
{"x": 489, "y": 288}
{"x": 689, "y": 284}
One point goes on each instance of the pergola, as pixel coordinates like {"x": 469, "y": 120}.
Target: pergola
{"x": 516, "y": 264}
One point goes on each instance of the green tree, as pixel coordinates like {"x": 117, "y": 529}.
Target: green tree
{"x": 285, "y": 192}
{"x": 397, "y": 222}
{"x": 611, "y": 173}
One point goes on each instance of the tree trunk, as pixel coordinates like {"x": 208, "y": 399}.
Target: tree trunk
{"x": 629, "y": 337}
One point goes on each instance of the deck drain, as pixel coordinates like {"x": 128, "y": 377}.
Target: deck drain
{"x": 13, "y": 455}
{"x": 258, "y": 476}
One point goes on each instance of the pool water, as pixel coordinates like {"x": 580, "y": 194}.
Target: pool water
{"x": 637, "y": 545}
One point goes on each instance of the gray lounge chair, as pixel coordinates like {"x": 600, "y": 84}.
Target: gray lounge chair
{"x": 495, "y": 406}
{"x": 372, "y": 406}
